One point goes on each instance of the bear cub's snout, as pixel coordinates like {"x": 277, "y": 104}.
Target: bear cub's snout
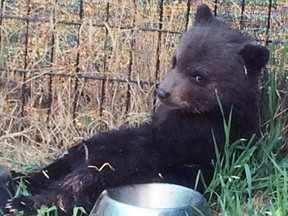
{"x": 162, "y": 94}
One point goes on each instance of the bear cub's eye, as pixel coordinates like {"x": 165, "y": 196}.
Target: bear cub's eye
{"x": 199, "y": 78}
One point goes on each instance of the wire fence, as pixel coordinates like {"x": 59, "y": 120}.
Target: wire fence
{"x": 98, "y": 56}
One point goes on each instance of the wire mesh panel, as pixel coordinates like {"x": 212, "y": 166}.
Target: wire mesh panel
{"x": 85, "y": 64}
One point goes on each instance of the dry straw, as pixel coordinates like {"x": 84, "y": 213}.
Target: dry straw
{"x": 78, "y": 41}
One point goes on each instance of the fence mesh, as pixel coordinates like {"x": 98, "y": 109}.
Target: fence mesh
{"x": 96, "y": 63}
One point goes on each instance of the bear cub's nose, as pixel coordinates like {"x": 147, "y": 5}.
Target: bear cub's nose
{"x": 162, "y": 94}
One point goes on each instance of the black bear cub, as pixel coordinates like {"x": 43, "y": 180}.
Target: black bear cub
{"x": 213, "y": 63}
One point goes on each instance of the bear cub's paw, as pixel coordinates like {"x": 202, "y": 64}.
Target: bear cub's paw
{"x": 24, "y": 204}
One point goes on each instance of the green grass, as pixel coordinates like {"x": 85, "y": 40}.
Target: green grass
{"x": 255, "y": 182}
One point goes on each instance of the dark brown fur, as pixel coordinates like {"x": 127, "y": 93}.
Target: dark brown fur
{"x": 211, "y": 60}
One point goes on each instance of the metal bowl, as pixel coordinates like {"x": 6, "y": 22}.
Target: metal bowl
{"x": 155, "y": 199}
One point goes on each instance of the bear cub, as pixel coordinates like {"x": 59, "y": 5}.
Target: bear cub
{"x": 213, "y": 64}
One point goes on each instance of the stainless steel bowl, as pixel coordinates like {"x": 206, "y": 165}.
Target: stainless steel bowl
{"x": 155, "y": 199}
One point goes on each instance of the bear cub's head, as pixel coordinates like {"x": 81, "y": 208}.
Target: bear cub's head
{"x": 212, "y": 60}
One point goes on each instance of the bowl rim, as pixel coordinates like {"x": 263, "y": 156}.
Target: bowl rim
{"x": 198, "y": 194}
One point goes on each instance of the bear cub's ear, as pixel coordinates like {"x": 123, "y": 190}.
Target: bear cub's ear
{"x": 203, "y": 15}
{"x": 255, "y": 56}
